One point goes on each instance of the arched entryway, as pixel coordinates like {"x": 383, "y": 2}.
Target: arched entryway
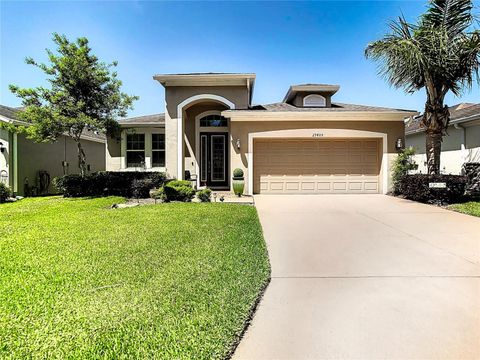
{"x": 204, "y": 140}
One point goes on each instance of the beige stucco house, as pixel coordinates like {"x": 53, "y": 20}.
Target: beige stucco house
{"x": 459, "y": 146}
{"x": 22, "y": 161}
{"x": 308, "y": 143}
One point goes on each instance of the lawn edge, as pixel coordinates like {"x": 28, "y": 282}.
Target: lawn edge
{"x": 249, "y": 319}
{"x": 450, "y": 208}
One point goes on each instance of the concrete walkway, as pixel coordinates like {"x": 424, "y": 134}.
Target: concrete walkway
{"x": 366, "y": 277}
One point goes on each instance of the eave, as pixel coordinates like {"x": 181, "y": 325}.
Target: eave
{"x": 237, "y": 79}
{"x": 259, "y": 115}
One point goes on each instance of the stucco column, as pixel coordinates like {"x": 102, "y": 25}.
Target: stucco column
{"x": 180, "y": 160}
{"x": 148, "y": 149}
{"x": 171, "y": 150}
{"x": 123, "y": 150}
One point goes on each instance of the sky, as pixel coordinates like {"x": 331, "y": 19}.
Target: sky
{"x": 284, "y": 43}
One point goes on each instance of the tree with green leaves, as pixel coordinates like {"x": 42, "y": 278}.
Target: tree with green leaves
{"x": 84, "y": 94}
{"x": 440, "y": 53}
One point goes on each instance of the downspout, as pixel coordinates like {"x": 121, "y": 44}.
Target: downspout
{"x": 464, "y": 141}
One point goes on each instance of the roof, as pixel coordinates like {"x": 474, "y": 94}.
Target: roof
{"x": 10, "y": 114}
{"x": 311, "y": 88}
{"x": 336, "y": 107}
{"x": 458, "y": 113}
{"x": 155, "y": 119}
{"x": 206, "y": 79}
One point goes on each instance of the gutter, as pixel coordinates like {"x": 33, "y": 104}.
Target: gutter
{"x": 455, "y": 123}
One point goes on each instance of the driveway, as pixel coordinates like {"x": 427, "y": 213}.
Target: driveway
{"x": 366, "y": 277}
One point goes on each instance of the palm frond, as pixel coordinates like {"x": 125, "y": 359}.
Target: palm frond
{"x": 399, "y": 56}
{"x": 455, "y": 16}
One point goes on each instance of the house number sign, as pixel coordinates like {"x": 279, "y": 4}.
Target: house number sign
{"x": 437, "y": 185}
{"x": 317, "y": 135}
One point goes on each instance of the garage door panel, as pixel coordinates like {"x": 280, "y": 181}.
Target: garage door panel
{"x": 283, "y": 166}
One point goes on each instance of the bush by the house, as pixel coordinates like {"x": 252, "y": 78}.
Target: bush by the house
{"x": 417, "y": 187}
{"x": 5, "y": 193}
{"x": 401, "y": 166}
{"x": 204, "y": 195}
{"x": 104, "y": 183}
{"x": 141, "y": 188}
{"x": 472, "y": 172}
{"x": 158, "y": 194}
{"x": 179, "y": 190}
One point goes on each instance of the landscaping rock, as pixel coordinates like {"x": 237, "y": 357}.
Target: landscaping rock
{"x": 124, "y": 206}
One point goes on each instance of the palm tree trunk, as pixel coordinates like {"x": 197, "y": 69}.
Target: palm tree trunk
{"x": 81, "y": 158}
{"x": 435, "y": 120}
{"x": 433, "y": 145}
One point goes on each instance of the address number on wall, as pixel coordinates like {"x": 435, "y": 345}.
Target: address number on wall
{"x": 317, "y": 135}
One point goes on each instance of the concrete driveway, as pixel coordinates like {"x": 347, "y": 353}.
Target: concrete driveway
{"x": 366, "y": 277}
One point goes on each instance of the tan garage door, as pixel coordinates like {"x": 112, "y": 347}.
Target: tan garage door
{"x": 293, "y": 166}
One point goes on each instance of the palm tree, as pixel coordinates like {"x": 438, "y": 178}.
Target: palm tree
{"x": 440, "y": 53}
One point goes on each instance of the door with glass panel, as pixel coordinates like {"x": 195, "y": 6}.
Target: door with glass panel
{"x": 214, "y": 159}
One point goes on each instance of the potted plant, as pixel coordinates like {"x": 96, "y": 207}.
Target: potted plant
{"x": 238, "y": 182}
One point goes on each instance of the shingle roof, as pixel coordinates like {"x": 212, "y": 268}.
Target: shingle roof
{"x": 155, "y": 119}
{"x": 11, "y": 113}
{"x": 281, "y": 106}
{"x": 8, "y": 111}
{"x": 457, "y": 113}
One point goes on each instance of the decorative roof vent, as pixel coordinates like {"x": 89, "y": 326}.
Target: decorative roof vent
{"x": 310, "y": 95}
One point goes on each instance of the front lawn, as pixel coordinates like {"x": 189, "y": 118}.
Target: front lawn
{"x": 470, "y": 208}
{"x": 80, "y": 280}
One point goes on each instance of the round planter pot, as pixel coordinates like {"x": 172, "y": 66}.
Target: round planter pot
{"x": 238, "y": 185}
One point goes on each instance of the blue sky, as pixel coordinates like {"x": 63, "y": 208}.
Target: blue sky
{"x": 284, "y": 43}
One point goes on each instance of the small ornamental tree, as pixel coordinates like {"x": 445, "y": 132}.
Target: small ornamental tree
{"x": 402, "y": 165}
{"x": 84, "y": 94}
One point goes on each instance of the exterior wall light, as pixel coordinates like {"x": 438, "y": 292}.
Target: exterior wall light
{"x": 2, "y": 148}
{"x": 399, "y": 144}
{"x": 237, "y": 142}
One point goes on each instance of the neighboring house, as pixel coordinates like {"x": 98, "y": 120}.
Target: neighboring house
{"x": 460, "y": 145}
{"x": 24, "y": 163}
{"x": 305, "y": 144}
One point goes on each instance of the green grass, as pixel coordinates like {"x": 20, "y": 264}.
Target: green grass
{"x": 80, "y": 280}
{"x": 470, "y": 208}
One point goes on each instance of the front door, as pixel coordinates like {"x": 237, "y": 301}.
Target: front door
{"x": 214, "y": 159}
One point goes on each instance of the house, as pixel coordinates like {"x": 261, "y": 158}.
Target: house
{"x": 28, "y": 167}
{"x": 307, "y": 143}
{"x": 460, "y": 145}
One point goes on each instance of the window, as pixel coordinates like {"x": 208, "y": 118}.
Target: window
{"x": 135, "y": 150}
{"x": 158, "y": 150}
{"x": 314, "y": 100}
{"x": 213, "y": 121}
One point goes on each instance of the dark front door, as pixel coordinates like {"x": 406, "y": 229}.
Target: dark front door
{"x": 214, "y": 159}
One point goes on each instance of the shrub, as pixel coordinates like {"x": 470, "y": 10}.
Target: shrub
{"x": 238, "y": 173}
{"x": 416, "y": 187}
{"x": 158, "y": 194}
{"x": 472, "y": 172}
{"x": 119, "y": 183}
{"x": 141, "y": 188}
{"x": 204, "y": 195}
{"x": 5, "y": 193}
{"x": 179, "y": 190}
{"x": 401, "y": 166}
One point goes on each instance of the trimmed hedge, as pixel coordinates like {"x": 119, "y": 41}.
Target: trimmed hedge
{"x": 416, "y": 187}
{"x": 472, "y": 172}
{"x": 105, "y": 183}
{"x": 179, "y": 190}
